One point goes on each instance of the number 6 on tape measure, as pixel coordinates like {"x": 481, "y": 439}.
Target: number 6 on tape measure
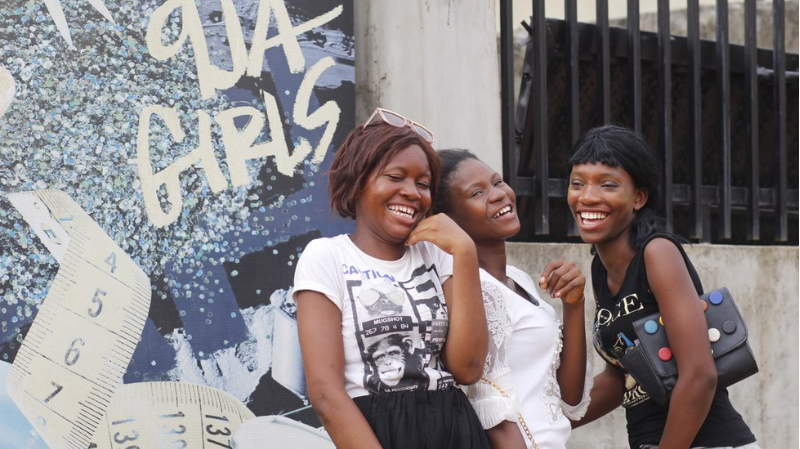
{"x": 79, "y": 346}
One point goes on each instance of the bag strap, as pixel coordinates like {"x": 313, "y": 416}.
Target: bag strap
{"x": 519, "y": 415}
{"x": 698, "y": 284}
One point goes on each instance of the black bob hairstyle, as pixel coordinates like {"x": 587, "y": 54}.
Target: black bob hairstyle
{"x": 621, "y": 147}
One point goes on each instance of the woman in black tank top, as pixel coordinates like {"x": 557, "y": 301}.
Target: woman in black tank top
{"x": 637, "y": 269}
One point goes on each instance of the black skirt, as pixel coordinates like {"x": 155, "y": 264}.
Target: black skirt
{"x": 435, "y": 419}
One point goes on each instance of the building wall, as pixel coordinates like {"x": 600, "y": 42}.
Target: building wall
{"x": 435, "y": 62}
{"x": 764, "y": 282}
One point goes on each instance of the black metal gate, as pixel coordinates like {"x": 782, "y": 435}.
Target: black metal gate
{"x": 716, "y": 113}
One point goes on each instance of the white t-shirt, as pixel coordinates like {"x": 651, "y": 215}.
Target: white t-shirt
{"x": 524, "y": 354}
{"x": 394, "y": 315}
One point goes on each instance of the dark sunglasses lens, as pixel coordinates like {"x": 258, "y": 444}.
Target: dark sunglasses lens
{"x": 393, "y": 119}
{"x": 424, "y": 133}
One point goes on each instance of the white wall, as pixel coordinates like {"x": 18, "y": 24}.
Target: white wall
{"x": 434, "y": 61}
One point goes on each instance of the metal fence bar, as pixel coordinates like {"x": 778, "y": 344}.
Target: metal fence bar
{"x": 573, "y": 87}
{"x": 695, "y": 120}
{"x": 511, "y": 161}
{"x": 751, "y": 117}
{"x": 573, "y": 69}
{"x": 634, "y": 68}
{"x": 665, "y": 108}
{"x": 541, "y": 221}
{"x": 779, "y": 92}
{"x": 724, "y": 118}
{"x": 603, "y": 63}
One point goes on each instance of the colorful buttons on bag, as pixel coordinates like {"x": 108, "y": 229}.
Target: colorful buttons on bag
{"x": 704, "y": 305}
{"x": 729, "y": 327}
{"x": 715, "y": 298}
{"x": 660, "y": 321}
{"x": 713, "y": 335}
{"x": 651, "y": 327}
{"x": 665, "y": 354}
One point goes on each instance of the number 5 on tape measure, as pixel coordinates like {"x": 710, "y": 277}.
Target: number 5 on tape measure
{"x": 79, "y": 346}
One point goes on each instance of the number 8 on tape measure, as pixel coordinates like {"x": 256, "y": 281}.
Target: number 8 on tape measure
{"x": 77, "y": 349}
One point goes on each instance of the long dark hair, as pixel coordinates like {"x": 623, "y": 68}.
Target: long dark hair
{"x": 621, "y": 147}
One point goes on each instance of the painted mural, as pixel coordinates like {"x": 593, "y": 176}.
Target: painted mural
{"x": 162, "y": 166}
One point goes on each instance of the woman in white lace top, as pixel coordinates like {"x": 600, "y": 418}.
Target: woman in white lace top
{"x": 535, "y": 379}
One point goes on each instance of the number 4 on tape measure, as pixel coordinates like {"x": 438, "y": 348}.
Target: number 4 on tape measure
{"x": 77, "y": 349}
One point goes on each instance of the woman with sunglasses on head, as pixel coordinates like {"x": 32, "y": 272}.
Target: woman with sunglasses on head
{"x": 390, "y": 317}
{"x": 639, "y": 268}
{"x": 535, "y": 375}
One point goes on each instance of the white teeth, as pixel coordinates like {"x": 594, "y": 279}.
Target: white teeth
{"x": 403, "y": 211}
{"x": 503, "y": 211}
{"x": 593, "y": 215}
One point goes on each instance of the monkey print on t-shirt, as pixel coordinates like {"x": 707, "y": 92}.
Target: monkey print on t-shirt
{"x": 400, "y": 326}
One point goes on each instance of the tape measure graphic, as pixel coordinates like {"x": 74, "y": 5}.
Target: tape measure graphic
{"x": 72, "y": 360}
{"x": 170, "y": 415}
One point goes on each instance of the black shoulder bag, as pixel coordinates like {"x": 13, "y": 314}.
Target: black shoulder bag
{"x": 653, "y": 366}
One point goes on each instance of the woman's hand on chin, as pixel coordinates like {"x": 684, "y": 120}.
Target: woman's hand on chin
{"x": 443, "y": 232}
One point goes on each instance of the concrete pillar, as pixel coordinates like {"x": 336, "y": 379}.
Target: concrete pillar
{"x": 435, "y": 62}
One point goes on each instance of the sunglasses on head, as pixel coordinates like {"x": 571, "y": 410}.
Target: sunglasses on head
{"x": 395, "y": 119}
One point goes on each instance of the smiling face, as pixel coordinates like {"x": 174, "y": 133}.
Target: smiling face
{"x": 481, "y": 203}
{"x": 392, "y": 358}
{"x": 604, "y": 201}
{"x": 390, "y": 363}
{"x": 395, "y": 198}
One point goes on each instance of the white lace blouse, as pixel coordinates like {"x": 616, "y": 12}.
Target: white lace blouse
{"x": 524, "y": 354}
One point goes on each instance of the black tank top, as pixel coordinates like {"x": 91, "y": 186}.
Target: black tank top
{"x": 613, "y": 332}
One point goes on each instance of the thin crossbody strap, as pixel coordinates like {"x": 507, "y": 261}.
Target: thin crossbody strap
{"x": 519, "y": 415}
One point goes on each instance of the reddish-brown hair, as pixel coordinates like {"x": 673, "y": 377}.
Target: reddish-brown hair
{"x": 366, "y": 150}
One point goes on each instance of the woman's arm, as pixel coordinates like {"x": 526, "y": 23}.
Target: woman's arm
{"x": 606, "y": 395}
{"x": 506, "y": 435}
{"x": 464, "y": 352}
{"x": 688, "y": 338}
{"x": 319, "y": 324}
{"x": 565, "y": 281}
{"x": 572, "y": 372}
